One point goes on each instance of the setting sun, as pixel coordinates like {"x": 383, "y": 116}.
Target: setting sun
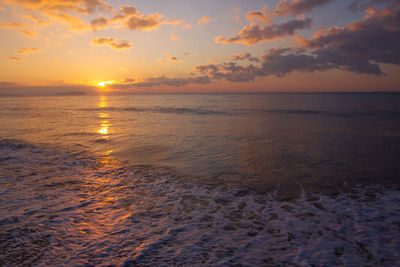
{"x": 104, "y": 83}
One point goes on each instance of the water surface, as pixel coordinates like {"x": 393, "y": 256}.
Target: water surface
{"x": 200, "y": 180}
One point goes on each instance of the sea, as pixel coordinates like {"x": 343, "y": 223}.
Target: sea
{"x": 245, "y": 179}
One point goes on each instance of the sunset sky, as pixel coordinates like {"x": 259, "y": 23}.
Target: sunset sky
{"x": 94, "y": 46}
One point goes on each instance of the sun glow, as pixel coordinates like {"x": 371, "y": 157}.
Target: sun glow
{"x": 104, "y": 83}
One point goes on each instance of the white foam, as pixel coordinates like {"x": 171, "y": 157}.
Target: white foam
{"x": 59, "y": 208}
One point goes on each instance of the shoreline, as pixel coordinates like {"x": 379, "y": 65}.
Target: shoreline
{"x": 77, "y": 208}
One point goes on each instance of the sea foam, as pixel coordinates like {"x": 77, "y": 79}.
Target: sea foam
{"x": 71, "y": 208}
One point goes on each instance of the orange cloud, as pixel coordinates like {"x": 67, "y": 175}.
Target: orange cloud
{"x": 297, "y": 7}
{"x": 112, "y": 42}
{"x": 172, "y": 21}
{"x": 68, "y": 12}
{"x": 175, "y": 37}
{"x": 28, "y": 50}
{"x": 130, "y": 18}
{"x": 11, "y": 25}
{"x": 173, "y": 59}
{"x": 99, "y": 23}
{"x": 17, "y": 25}
{"x": 15, "y": 59}
{"x": 260, "y": 15}
{"x": 143, "y": 22}
{"x": 28, "y": 33}
{"x": 204, "y": 20}
{"x": 189, "y": 54}
{"x": 75, "y": 23}
{"x": 54, "y": 6}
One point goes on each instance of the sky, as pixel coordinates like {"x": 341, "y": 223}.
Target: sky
{"x": 52, "y": 47}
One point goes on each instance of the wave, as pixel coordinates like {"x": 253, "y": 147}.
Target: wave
{"x": 377, "y": 113}
{"x": 74, "y": 208}
{"x": 159, "y": 110}
{"x": 306, "y": 112}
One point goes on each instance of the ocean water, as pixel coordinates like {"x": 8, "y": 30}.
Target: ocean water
{"x": 200, "y": 179}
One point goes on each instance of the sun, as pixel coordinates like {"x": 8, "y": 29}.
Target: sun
{"x": 104, "y": 83}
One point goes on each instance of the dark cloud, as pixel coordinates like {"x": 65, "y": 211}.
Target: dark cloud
{"x": 8, "y": 84}
{"x": 359, "y": 47}
{"x": 253, "y": 34}
{"x": 244, "y": 57}
{"x": 16, "y": 89}
{"x": 357, "y": 5}
{"x": 161, "y": 80}
{"x": 297, "y": 7}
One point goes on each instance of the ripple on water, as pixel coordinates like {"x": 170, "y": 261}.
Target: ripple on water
{"x": 64, "y": 208}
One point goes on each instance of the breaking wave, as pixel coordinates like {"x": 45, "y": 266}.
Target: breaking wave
{"x": 60, "y": 207}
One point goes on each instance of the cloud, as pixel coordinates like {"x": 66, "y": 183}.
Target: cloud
{"x": 160, "y": 60}
{"x": 358, "y": 47}
{"x": 54, "y": 6}
{"x": 130, "y": 18}
{"x": 361, "y": 45}
{"x": 8, "y": 84}
{"x": 18, "y": 89}
{"x": 297, "y": 7}
{"x": 357, "y": 5}
{"x": 15, "y": 59}
{"x": 175, "y": 37}
{"x": 172, "y": 21}
{"x": 259, "y": 15}
{"x": 144, "y": 22}
{"x": 66, "y": 12}
{"x": 11, "y": 25}
{"x": 278, "y": 62}
{"x": 28, "y": 50}
{"x": 159, "y": 81}
{"x": 253, "y": 34}
{"x": 75, "y": 23}
{"x": 129, "y": 10}
{"x": 173, "y": 59}
{"x": 69, "y": 12}
{"x": 204, "y": 20}
{"x": 190, "y": 54}
{"x": 112, "y": 42}
{"x": 18, "y": 25}
{"x": 99, "y": 23}
{"x": 28, "y": 33}
{"x": 244, "y": 57}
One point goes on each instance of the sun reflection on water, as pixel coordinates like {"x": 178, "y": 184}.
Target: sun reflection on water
{"x": 105, "y": 124}
{"x": 103, "y": 102}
